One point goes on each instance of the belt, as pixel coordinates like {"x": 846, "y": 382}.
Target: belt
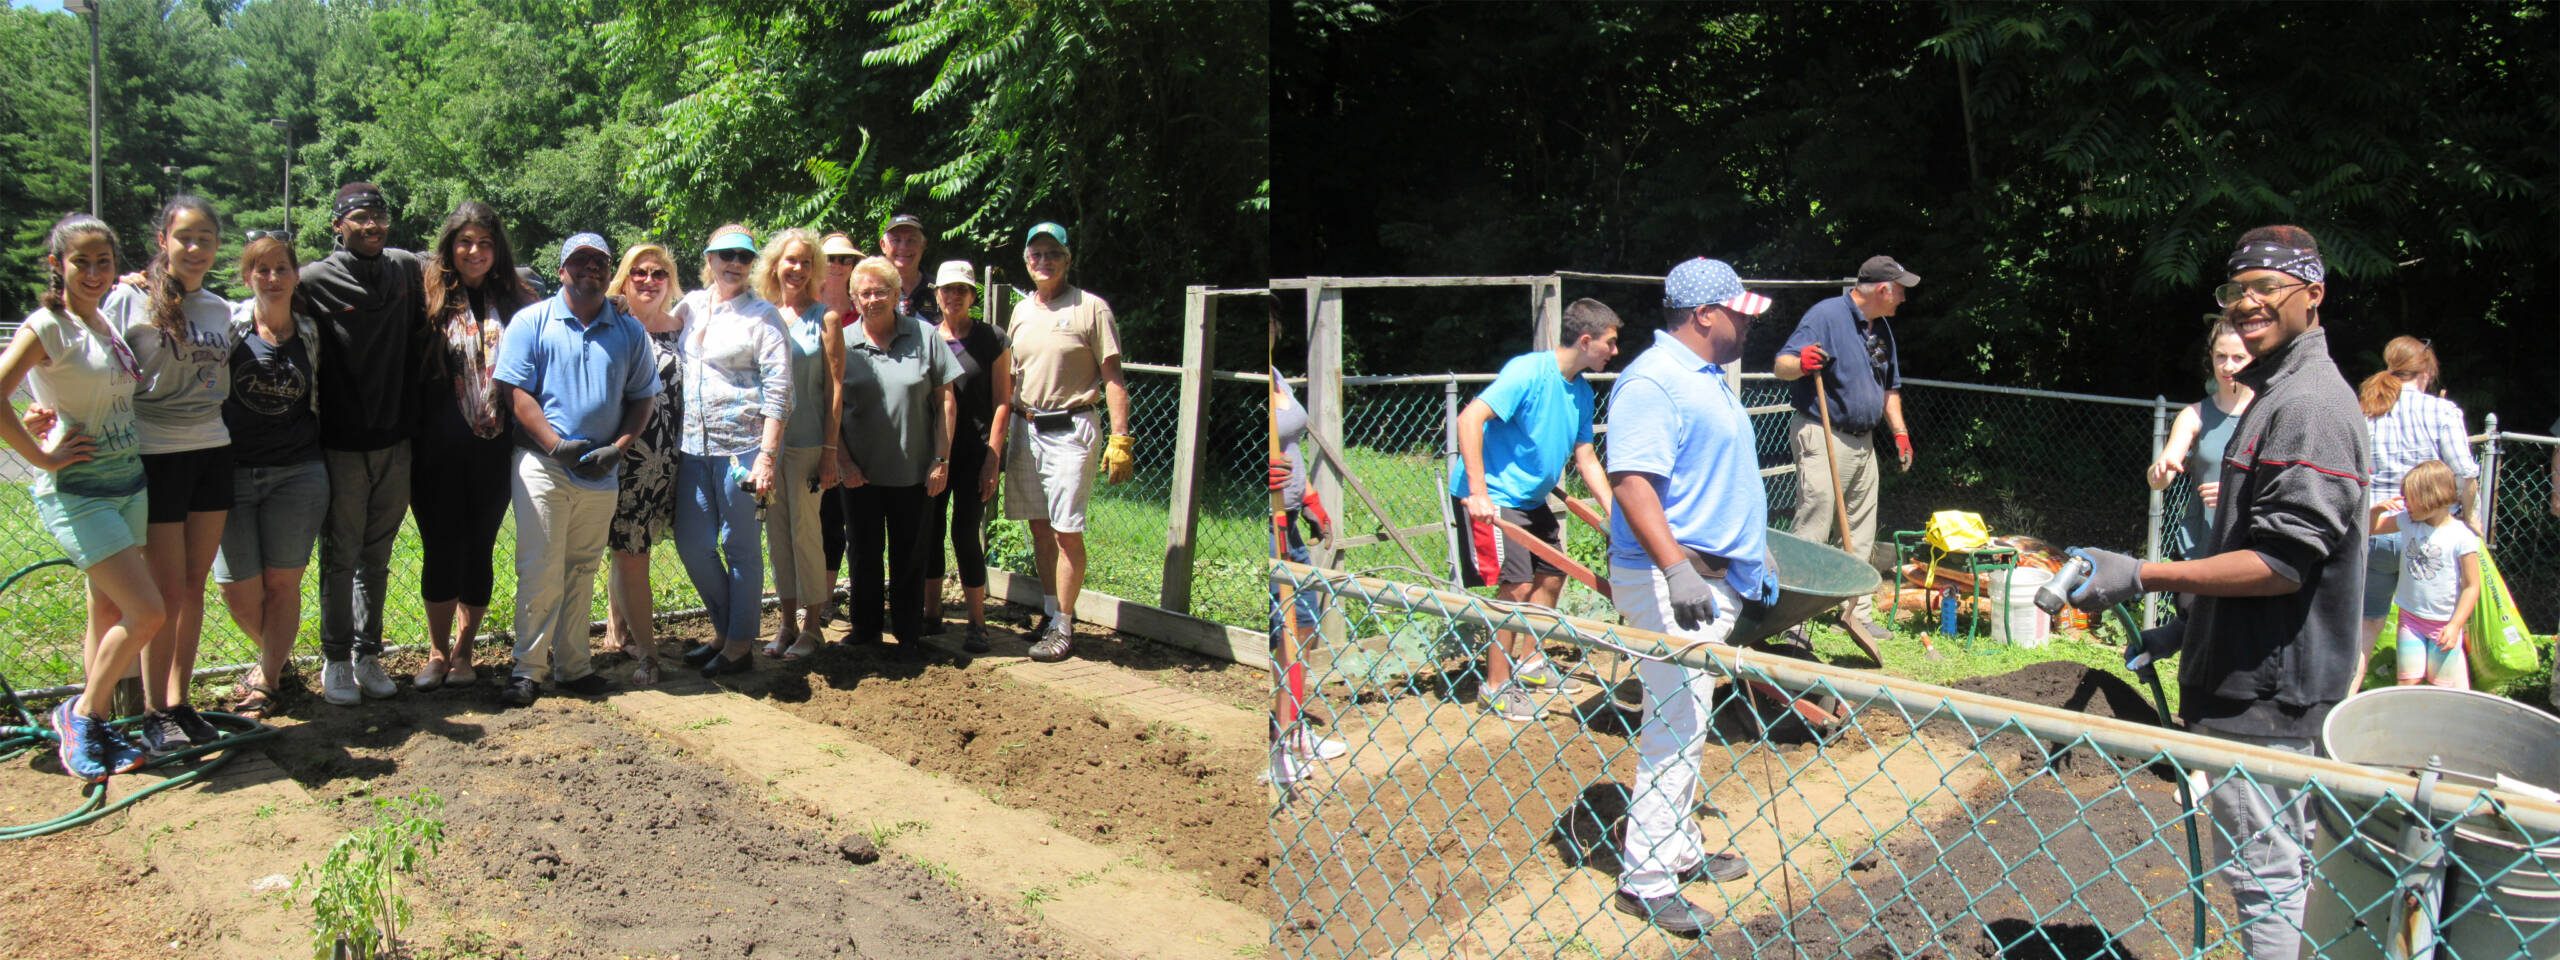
{"x": 1051, "y": 421}
{"x": 1708, "y": 565}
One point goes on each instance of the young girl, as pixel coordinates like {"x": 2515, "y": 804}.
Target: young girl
{"x": 180, "y": 337}
{"x": 2439, "y": 576}
{"x": 90, "y": 489}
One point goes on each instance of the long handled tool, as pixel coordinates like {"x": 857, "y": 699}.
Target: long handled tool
{"x": 1812, "y": 713}
{"x": 1289, "y": 686}
{"x": 1840, "y": 515}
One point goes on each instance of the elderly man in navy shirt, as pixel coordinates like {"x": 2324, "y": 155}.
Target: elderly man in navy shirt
{"x": 1688, "y": 545}
{"x": 1848, "y": 341}
{"x": 584, "y": 378}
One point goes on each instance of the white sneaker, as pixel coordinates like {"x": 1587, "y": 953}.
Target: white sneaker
{"x": 338, "y": 683}
{"x": 1284, "y": 768}
{"x": 1317, "y": 748}
{"x": 369, "y": 675}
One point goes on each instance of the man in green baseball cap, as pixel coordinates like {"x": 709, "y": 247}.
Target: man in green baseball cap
{"x": 1066, "y": 364}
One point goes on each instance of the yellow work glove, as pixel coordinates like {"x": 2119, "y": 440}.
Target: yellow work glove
{"x": 1118, "y": 460}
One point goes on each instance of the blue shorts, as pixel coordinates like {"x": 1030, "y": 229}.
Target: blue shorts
{"x": 2381, "y": 574}
{"x": 91, "y": 529}
{"x": 275, "y": 517}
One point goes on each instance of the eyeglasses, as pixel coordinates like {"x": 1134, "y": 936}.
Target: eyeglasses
{"x": 369, "y": 218}
{"x": 2229, "y": 294}
{"x": 734, "y": 256}
{"x": 284, "y": 235}
{"x": 652, "y": 274}
{"x": 843, "y": 260}
{"x": 1044, "y": 256}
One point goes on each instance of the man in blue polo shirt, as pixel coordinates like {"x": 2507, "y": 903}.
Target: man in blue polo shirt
{"x": 1848, "y": 341}
{"x": 1688, "y": 544}
{"x": 584, "y": 378}
{"x": 1514, "y": 440}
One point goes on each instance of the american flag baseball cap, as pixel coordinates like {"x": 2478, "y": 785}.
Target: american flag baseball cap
{"x": 1701, "y": 281}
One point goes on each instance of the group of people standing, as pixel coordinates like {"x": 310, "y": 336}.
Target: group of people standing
{"x": 807, "y": 402}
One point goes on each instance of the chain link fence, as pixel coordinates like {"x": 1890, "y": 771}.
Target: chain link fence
{"x": 2040, "y": 814}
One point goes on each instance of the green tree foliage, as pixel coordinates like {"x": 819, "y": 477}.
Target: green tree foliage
{"x": 2067, "y": 175}
{"x": 1144, "y": 127}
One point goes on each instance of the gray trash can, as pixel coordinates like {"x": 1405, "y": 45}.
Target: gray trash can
{"x": 2500, "y": 888}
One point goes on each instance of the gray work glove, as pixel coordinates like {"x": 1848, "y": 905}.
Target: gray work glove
{"x": 567, "y": 452}
{"x": 1692, "y": 605}
{"x": 598, "y": 463}
{"x": 2156, "y": 644}
{"x": 2113, "y": 578}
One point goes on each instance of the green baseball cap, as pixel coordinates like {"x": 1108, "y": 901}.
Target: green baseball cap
{"x": 1050, "y": 230}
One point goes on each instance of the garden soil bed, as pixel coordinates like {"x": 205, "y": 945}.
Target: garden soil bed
{"x": 1156, "y": 789}
{"x": 571, "y": 834}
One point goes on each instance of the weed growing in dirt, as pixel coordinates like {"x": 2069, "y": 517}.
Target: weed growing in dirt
{"x": 941, "y": 872}
{"x": 705, "y": 723}
{"x": 835, "y": 750}
{"x": 880, "y": 835}
{"x": 355, "y": 896}
{"x": 1574, "y": 946}
{"x": 1033, "y": 897}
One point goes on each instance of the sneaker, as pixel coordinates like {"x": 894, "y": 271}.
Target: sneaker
{"x": 1055, "y": 644}
{"x": 1672, "y": 912}
{"x": 974, "y": 641}
{"x": 1284, "y": 768}
{"x": 1717, "y": 869}
{"x": 91, "y": 750}
{"x": 338, "y": 683}
{"x": 200, "y": 731}
{"x": 1309, "y": 746}
{"x": 520, "y": 692}
{"x": 591, "y": 685}
{"x": 1541, "y": 674}
{"x": 1511, "y": 703}
{"x": 369, "y": 676}
{"x": 161, "y": 734}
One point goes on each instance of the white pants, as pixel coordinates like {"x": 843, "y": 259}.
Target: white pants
{"x": 560, "y": 535}
{"x": 1049, "y": 476}
{"x": 1662, "y": 836}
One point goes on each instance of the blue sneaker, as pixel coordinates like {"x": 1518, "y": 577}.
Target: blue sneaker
{"x": 92, "y": 750}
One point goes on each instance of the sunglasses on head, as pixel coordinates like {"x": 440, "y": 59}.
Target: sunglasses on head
{"x": 284, "y": 235}
{"x": 734, "y": 256}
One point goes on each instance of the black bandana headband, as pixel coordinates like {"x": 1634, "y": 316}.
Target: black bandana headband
{"x": 2303, "y": 264}
{"x": 357, "y": 201}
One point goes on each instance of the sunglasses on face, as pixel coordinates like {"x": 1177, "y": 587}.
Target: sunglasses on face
{"x": 734, "y": 256}
{"x": 369, "y": 218}
{"x": 2230, "y": 294}
{"x": 651, "y": 274}
{"x": 843, "y": 260}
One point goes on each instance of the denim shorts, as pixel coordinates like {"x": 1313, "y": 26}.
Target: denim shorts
{"x": 2381, "y": 574}
{"x": 91, "y": 529}
{"x": 275, "y": 517}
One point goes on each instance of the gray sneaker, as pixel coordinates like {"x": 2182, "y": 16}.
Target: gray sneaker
{"x": 371, "y": 678}
{"x": 1542, "y": 675}
{"x": 1511, "y": 703}
{"x": 1056, "y": 643}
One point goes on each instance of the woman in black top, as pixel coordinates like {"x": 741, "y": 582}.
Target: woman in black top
{"x": 458, "y": 473}
{"x": 280, "y": 485}
{"x": 985, "y": 392}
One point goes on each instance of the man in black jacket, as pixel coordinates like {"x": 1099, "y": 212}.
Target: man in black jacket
{"x": 2271, "y": 639}
{"x": 367, "y": 299}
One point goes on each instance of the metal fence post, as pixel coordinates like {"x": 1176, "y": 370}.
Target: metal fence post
{"x": 2159, "y": 506}
{"x": 1199, "y": 318}
{"x": 2487, "y": 507}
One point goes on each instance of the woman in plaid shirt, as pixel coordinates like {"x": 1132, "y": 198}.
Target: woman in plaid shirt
{"x": 2409, "y": 426}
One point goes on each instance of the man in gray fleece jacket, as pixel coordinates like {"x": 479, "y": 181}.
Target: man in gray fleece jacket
{"x": 2271, "y": 638}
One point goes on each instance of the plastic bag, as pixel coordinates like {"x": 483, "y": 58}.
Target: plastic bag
{"x": 1953, "y": 531}
{"x": 2500, "y": 647}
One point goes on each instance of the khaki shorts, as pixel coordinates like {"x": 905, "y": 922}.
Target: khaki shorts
{"x": 1049, "y": 476}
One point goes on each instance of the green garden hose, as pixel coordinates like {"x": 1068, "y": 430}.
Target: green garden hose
{"x": 27, "y": 734}
{"x": 2150, "y": 674}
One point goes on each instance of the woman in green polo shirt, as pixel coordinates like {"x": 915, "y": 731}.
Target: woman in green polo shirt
{"x": 897, "y": 417}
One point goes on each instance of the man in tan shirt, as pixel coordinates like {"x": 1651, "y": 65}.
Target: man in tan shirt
{"x": 1066, "y": 363}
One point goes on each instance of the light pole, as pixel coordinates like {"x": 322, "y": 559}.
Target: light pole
{"x": 286, "y": 126}
{"x": 90, "y": 7}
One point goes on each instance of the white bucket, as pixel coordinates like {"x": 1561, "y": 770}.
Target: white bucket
{"x": 2020, "y": 622}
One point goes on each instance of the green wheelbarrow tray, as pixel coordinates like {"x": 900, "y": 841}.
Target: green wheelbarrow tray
{"x": 1813, "y": 579}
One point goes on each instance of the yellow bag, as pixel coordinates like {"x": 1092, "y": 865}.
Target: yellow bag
{"x": 1952, "y": 531}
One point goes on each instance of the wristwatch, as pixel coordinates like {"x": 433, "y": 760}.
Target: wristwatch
{"x": 941, "y": 461}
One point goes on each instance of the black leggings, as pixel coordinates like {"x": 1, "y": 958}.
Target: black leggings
{"x": 831, "y": 524}
{"x": 959, "y": 501}
{"x": 881, "y": 520}
{"x": 459, "y": 494}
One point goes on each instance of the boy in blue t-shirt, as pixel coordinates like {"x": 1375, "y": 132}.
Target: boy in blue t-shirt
{"x": 1514, "y": 441}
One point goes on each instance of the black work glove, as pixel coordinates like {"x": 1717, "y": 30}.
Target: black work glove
{"x": 567, "y": 451}
{"x": 2113, "y": 578}
{"x": 598, "y": 463}
{"x": 2156, "y": 644}
{"x": 1692, "y": 606}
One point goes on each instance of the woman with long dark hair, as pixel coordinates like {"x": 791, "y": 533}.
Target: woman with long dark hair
{"x": 89, "y": 487}
{"x": 180, "y": 336}
{"x": 458, "y": 471}
{"x": 2197, "y": 438}
{"x": 279, "y": 481}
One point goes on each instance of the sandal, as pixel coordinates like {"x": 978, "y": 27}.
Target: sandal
{"x": 645, "y": 672}
{"x": 254, "y": 702}
{"x": 806, "y": 645}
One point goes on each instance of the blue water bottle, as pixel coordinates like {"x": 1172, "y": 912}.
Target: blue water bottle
{"x": 1947, "y": 611}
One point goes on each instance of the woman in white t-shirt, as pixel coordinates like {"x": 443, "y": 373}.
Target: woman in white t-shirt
{"x": 180, "y": 334}
{"x": 2439, "y": 576}
{"x": 89, "y": 488}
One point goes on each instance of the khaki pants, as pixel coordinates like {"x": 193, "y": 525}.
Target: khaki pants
{"x": 793, "y": 535}
{"x": 560, "y": 533}
{"x": 1858, "y": 479}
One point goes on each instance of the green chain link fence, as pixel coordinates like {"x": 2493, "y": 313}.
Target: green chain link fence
{"x": 1924, "y": 821}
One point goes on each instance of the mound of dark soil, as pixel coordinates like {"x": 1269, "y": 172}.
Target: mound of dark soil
{"x": 2070, "y": 686}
